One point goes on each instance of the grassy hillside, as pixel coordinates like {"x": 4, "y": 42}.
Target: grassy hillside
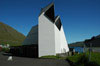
{"x": 8, "y": 35}
{"x": 77, "y": 44}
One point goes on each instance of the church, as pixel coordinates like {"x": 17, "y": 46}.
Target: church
{"x": 46, "y": 38}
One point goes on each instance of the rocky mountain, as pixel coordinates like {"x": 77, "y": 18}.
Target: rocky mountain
{"x": 94, "y": 42}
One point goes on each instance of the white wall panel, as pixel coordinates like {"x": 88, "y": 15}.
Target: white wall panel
{"x": 64, "y": 45}
{"x": 46, "y": 36}
{"x": 57, "y": 40}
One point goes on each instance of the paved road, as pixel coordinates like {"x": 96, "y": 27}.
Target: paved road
{"x": 20, "y": 61}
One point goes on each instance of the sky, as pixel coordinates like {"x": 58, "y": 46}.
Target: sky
{"x": 80, "y": 18}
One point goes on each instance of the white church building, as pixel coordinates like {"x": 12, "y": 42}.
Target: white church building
{"x": 48, "y": 35}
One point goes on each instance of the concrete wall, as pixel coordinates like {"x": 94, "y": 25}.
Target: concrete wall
{"x": 64, "y": 45}
{"x": 46, "y": 36}
{"x": 61, "y": 45}
{"x": 57, "y": 40}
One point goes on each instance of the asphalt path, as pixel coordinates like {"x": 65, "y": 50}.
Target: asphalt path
{"x": 21, "y": 61}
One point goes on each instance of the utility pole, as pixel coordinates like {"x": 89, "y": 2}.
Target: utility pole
{"x": 84, "y": 49}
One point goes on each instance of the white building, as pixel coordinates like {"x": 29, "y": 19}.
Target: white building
{"x": 48, "y": 34}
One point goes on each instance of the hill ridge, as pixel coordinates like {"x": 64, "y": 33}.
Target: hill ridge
{"x": 95, "y": 40}
{"x": 10, "y": 35}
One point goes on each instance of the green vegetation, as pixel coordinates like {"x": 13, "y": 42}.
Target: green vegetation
{"x": 5, "y": 49}
{"x": 77, "y": 44}
{"x": 79, "y": 59}
{"x": 95, "y": 57}
{"x": 83, "y": 59}
{"x": 8, "y": 35}
{"x": 53, "y": 57}
{"x": 50, "y": 56}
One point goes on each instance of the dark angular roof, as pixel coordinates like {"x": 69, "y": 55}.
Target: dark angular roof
{"x": 49, "y": 12}
{"x": 58, "y": 22}
{"x": 46, "y": 8}
{"x": 32, "y": 37}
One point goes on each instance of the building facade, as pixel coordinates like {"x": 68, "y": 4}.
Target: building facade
{"x": 51, "y": 39}
{"x": 48, "y": 35}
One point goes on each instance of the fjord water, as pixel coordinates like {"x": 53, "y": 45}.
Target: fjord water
{"x": 78, "y": 49}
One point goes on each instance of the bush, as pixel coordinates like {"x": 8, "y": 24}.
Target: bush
{"x": 5, "y": 49}
{"x": 83, "y": 60}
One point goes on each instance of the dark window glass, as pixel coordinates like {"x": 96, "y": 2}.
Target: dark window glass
{"x": 58, "y": 24}
{"x": 50, "y": 13}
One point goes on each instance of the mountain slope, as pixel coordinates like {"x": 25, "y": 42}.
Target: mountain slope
{"x": 95, "y": 41}
{"x": 77, "y": 44}
{"x": 10, "y": 35}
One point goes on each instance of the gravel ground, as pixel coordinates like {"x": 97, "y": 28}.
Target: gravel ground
{"x": 21, "y": 61}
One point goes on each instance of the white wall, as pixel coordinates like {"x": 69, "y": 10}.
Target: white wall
{"x": 57, "y": 40}
{"x": 64, "y": 45}
{"x": 51, "y": 40}
{"x": 46, "y": 36}
{"x": 61, "y": 45}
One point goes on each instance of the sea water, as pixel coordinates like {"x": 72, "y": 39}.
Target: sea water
{"x": 78, "y": 49}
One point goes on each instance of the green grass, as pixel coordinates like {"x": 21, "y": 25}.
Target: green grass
{"x": 83, "y": 59}
{"x": 95, "y": 57}
{"x": 74, "y": 58}
{"x": 79, "y": 59}
{"x": 53, "y": 57}
{"x": 50, "y": 56}
{"x": 12, "y": 44}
